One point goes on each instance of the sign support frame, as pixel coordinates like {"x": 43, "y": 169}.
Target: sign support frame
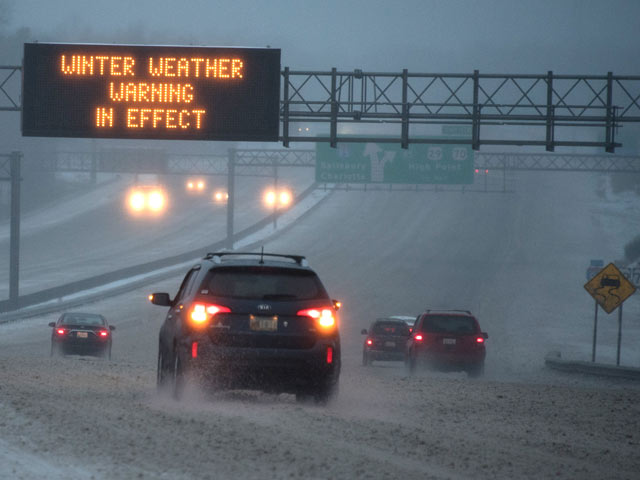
{"x": 619, "y": 334}
{"x": 595, "y": 333}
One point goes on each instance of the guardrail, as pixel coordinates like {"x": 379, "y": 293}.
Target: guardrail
{"x": 554, "y": 360}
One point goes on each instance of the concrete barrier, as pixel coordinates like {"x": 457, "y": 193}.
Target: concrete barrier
{"x": 123, "y": 280}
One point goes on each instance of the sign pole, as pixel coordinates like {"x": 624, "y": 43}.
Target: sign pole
{"x": 275, "y": 191}
{"x": 14, "y": 233}
{"x": 609, "y": 288}
{"x": 231, "y": 173}
{"x": 595, "y": 334}
{"x": 619, "y": 334}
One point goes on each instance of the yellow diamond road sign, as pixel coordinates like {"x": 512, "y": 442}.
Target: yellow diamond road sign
{"x": 610, "y": 288}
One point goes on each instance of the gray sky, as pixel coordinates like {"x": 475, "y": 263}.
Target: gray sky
{"x": 500, "y": 36}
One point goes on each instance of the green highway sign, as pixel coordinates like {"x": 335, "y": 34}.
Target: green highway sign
{"x": 389, "y": 163}
{"x": 457, "y": 131}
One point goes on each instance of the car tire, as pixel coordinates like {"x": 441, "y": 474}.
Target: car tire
{"x": 366, "y": 359}
{"x": 179, "y": 377}
{"x": 325, "y": 393}
{"x": 303, "y": 397}
{"x": 411, "y": 364}
{"x": 106, "y": 353}
{"x": 163, "y": 376}
{"x": 476, "y": 371}
{"x": 55, "y": 351}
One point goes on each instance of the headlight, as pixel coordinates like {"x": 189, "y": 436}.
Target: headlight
{"x": 156, "y": 201}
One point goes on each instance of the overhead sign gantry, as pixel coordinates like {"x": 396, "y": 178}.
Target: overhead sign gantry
{"x": 151, "y": 92}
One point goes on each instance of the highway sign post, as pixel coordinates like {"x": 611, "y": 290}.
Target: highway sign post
{"x": 389, "y": 163}
{"x": 609, "y": 288}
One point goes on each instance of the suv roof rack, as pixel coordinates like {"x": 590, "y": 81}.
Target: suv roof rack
{"x": 217, "y": 256}
{"x": 429, "y": 310}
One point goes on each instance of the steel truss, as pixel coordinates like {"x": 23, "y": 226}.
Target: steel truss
{"x": 10, "y": 88}
{"x": 541, "y": 107}
{"x": 248, "y": 162}
{"x": 558, "y": 162}
{"x": 257, "y": 162}
{"x": 5, "y": 167}
{"x": 411, "y": 101}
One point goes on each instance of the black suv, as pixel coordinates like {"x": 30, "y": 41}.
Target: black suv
{"x": 251, "y": 321}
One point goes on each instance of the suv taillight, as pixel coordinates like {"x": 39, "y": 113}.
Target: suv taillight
{"x": 202, "y": 313}
{"x": 323, "y": 316}
{"x": 61, "y": 331}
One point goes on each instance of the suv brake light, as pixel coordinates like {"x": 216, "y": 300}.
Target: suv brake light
{"x": 418, "y": 337}
{"x": 104, "y": 333}
{"x": 479, "y": 340}
{"x": 324, "y": 316}
{"x": 329, "y": 355}
{"x": 61, "y": 331}
{"x": 203, "y": 312}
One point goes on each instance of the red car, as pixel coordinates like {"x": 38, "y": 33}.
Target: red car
{"x": 448, "y": 340}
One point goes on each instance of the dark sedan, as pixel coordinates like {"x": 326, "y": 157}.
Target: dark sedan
{"x": 82, "y": 334}
{"x": 386, "y": 339}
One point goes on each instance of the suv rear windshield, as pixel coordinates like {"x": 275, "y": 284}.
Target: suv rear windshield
{"x": 265, "y": 283}
{"x": 449, "y": 324}
{"x": 391, "y": 328}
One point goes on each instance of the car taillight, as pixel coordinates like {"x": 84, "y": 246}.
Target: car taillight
{"x": 324, "y": 316}
{"x": 329, "y": 355}
{"x": 104, "y": 333}
{"x": 479, "y": 340}
{"x": 203, "y": 312}
{"x": 418, "y": 337}
{"x": 61, "y": 331}
{"x": 194, "y": 350}
{"x": 369, "y": 341}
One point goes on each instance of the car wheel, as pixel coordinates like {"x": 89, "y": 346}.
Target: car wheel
{"x": 303, "y": 397}
{"x": 179, "y": 378}
{"x": 163, "y": 375}
{"x": 476, "y": 370}
{"x": 366, "y": 359}
{"x": 54, "y": 350}
{"x": 411, "y": 364}
{"x": 325, "y": 393}
{"x": 109, "y": 353}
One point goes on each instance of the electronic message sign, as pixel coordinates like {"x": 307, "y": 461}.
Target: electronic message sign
{"x": 151, "y": 92}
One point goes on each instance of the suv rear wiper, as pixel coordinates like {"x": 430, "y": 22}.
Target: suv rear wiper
{"x": 279, "y": 296}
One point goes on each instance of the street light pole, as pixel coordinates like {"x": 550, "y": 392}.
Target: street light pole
{"x": 14, "y": 239}
{"x": 275, "y": 190}
{"x": 231, "y": 172}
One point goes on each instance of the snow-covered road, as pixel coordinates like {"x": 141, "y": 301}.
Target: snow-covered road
{"x": 94, "y": 234}
{"x": 517, "y": 261}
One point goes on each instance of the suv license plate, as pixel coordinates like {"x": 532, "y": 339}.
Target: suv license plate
{"x": 449, "y": 341}
{"x": 82, "y": 335}
{"x": 390, "y": 344}
{"x": 264, "y": 324}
